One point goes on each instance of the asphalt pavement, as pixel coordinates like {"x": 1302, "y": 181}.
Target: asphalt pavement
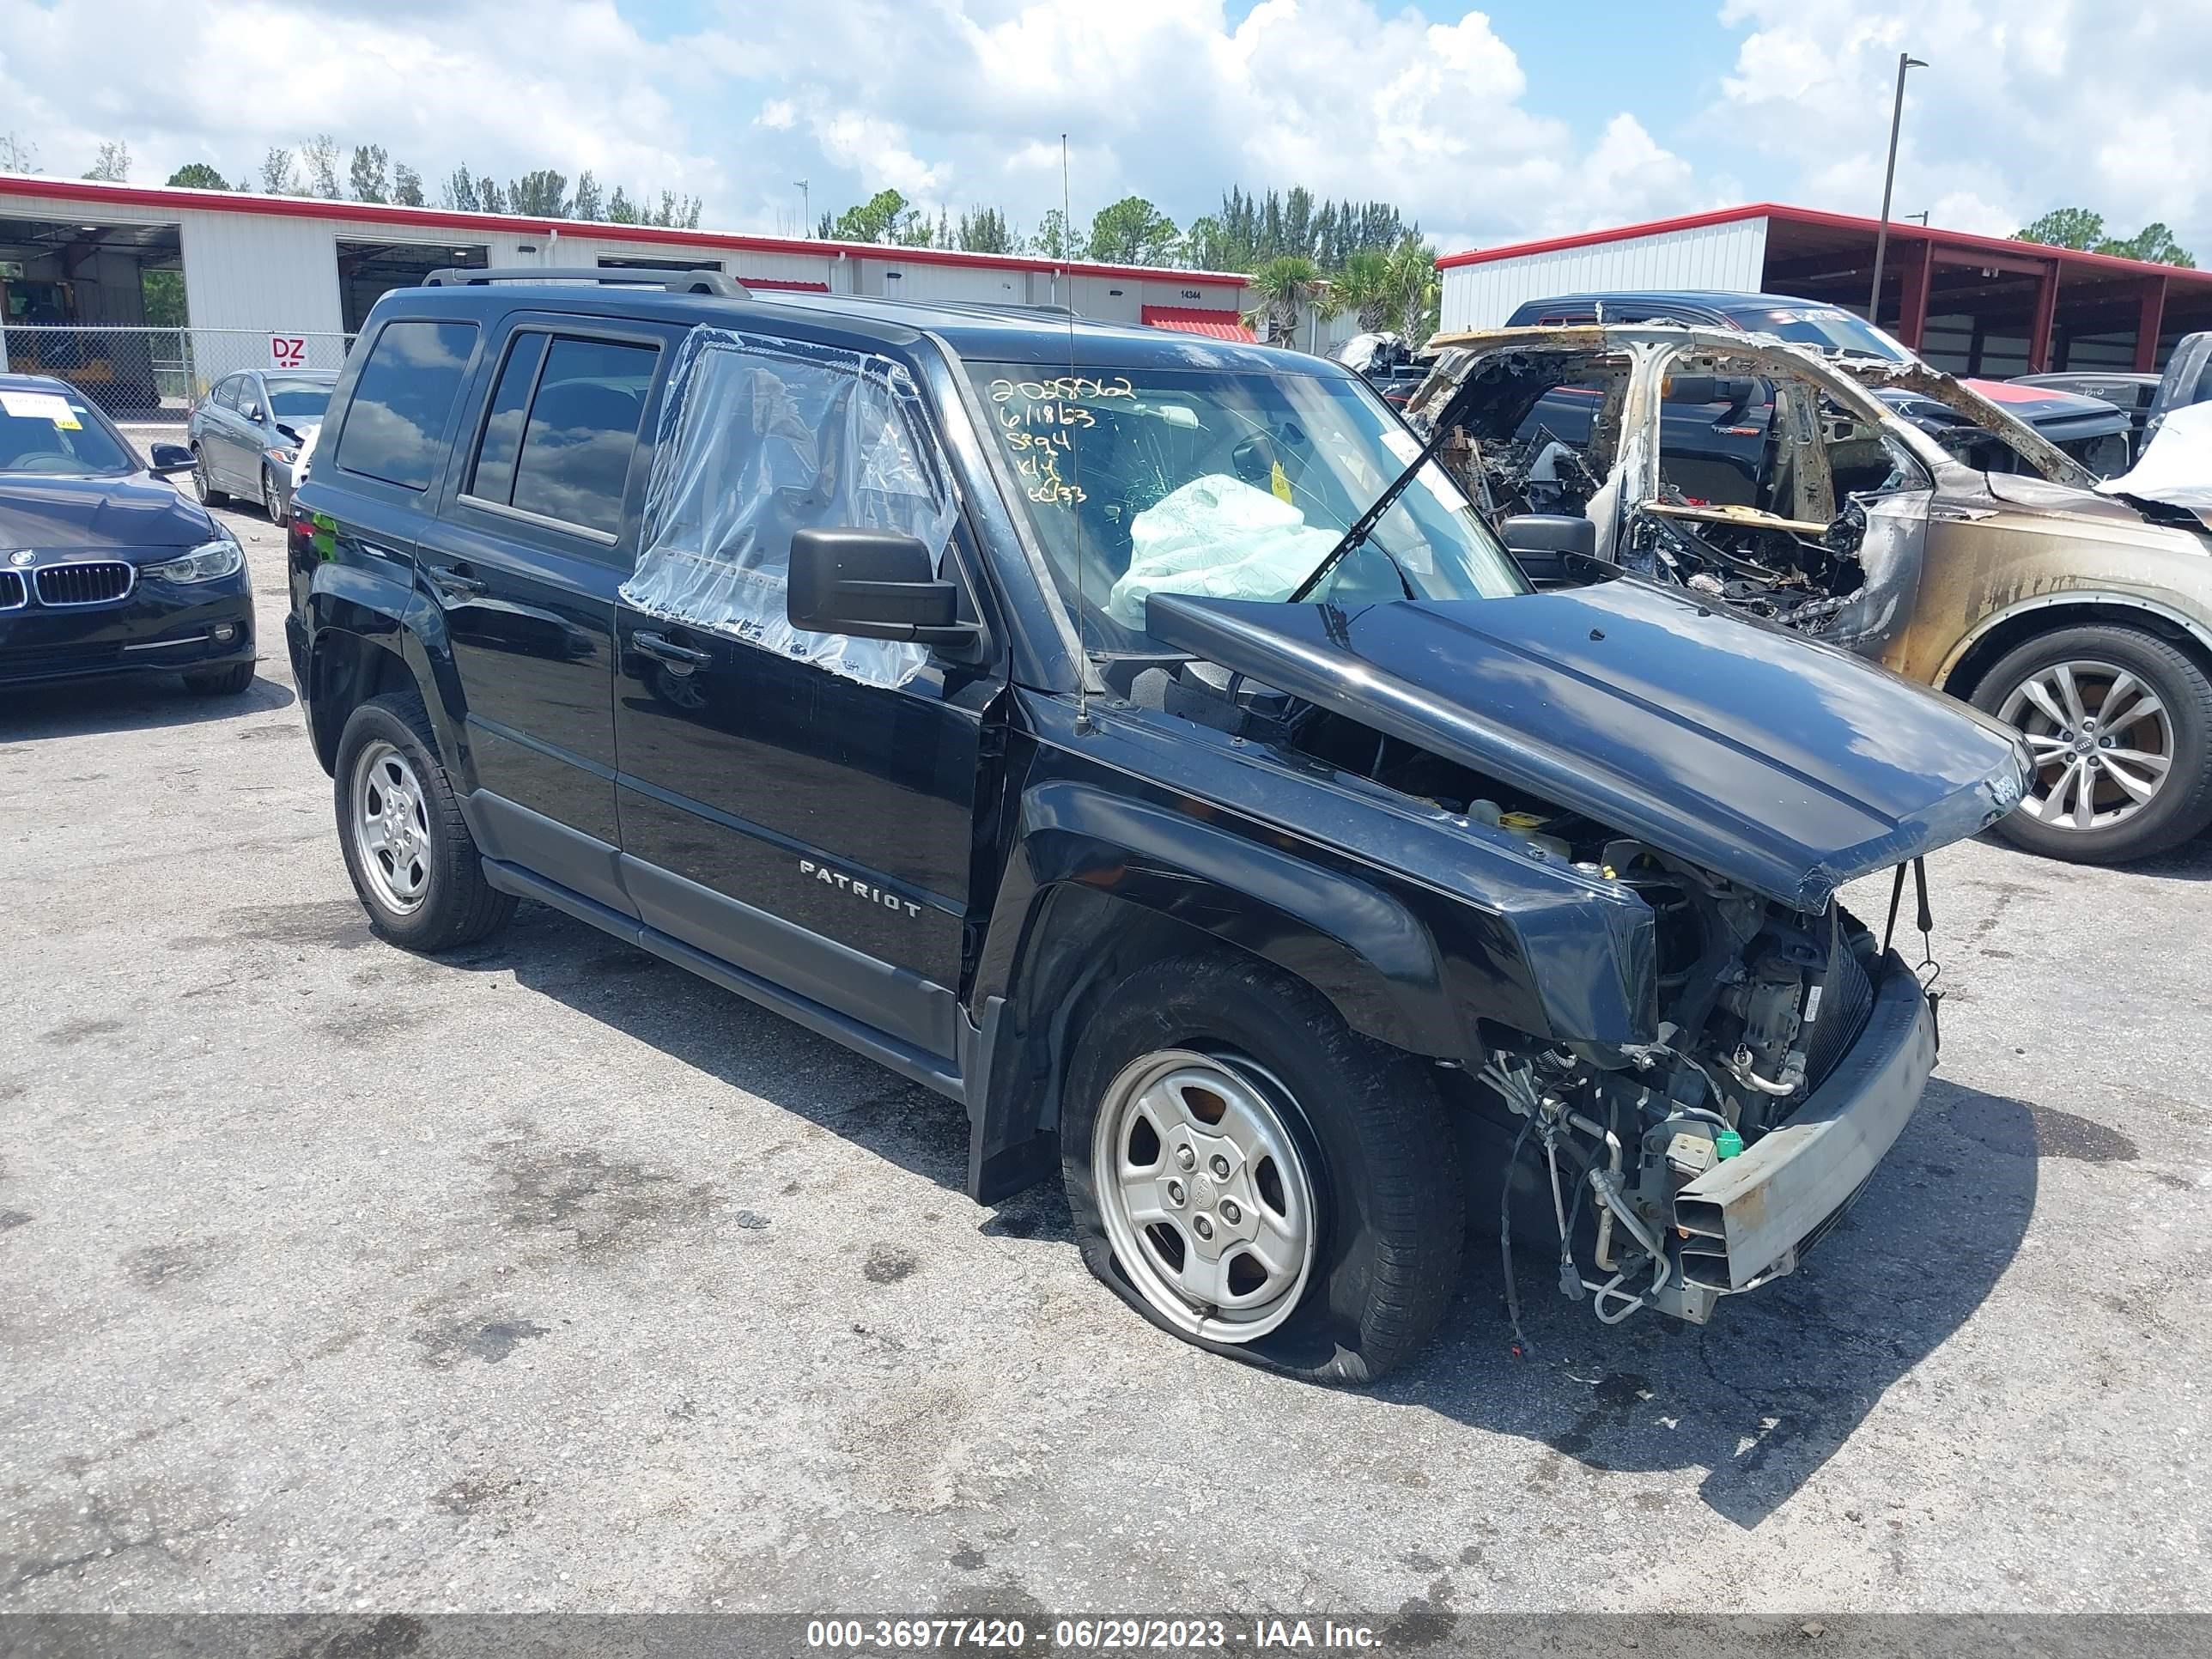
{"x": 549, "y": 1277}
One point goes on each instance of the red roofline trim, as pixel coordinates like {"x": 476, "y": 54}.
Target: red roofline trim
{"x": 1905, "y": 232}
{"x": 180, "y": 198}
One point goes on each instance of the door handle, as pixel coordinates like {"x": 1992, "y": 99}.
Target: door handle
{"x": 660, "y": 648}
{"x": 458, "y": 583}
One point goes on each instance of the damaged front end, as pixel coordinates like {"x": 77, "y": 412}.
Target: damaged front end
{"x": 1792, "y": 1053}
{"x": 1770, "y": 1052}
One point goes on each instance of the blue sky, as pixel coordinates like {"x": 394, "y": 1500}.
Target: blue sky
{"x": 1487, "y": 124}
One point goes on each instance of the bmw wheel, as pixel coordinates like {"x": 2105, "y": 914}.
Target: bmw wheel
{"x": 2118, "y": 726}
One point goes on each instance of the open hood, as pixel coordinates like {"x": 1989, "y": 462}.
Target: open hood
{"x": 1740, "y": 748}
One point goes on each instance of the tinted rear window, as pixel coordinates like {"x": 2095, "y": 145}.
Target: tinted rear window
{"x": 402, "y": 400}
{"x": 582, "y": 428}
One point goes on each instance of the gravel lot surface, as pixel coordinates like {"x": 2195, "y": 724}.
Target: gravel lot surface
{"x": 548, "y": 1277}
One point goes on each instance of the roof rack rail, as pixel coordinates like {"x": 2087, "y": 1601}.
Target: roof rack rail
{"x": 673, "y": 281}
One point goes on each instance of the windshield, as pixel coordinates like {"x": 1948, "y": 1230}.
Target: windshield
{"x": 299, "y": 400}
{"x": 1229, "y": 485}
{"x": 1826, "y": 328}
{"x": 55, "y": 433}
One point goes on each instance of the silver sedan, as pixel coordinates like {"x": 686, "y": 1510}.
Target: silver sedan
{"x": 246, "y": 433}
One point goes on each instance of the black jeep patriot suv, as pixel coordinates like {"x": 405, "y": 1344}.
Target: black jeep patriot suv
{"x": 1137, "y": 739}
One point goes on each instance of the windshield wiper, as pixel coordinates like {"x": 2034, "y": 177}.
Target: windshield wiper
{"x": 1364, "y": 526}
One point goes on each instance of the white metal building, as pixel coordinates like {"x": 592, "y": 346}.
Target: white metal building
{"x": 73, "y": 251}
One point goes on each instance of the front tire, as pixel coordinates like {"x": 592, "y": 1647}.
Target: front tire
{"x": 1257, "y": 1178}
{"x": 273, "y": 502}
{"x": 2119, "y": 723}
{"x": 414, "y": 865}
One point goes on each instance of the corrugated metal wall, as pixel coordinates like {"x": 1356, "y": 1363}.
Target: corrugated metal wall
{"x": 1725, "y": 256}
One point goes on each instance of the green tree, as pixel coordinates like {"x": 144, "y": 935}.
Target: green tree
{"x": 369, "y": 173}
{"x": 406, "y": 185}
{"x": 882, "y": 218}
{"x": 2155, "y": 243}
{"x": 541, "y": 193}
{"x": 588, "y": 203}
{"x": 620, "y": 210}
{"x": 2072, "y": 227}
{"x": 199, "y": 175}
{"x": 113, "y": 164}
{"x": 278, "y": 176}
{"x": 2078, "y": 228}
{"x": 984, "y": 230}
{"x": 1132, "y": 231}
{"x": 460, "y": 193}
{"x": 1414, "y": 290}
{"x": 1053, "y": 240}
{"x": 1285, "y": 286}
{"x": 319, "y": 157}
{"x": 164, "y": 292}
{"x": 1364, "y": 287}
{"x": 489, "y": 197}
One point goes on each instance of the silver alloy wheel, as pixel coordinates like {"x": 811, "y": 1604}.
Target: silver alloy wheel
{"x": 201, "y": 486}
{"x": 392, "y": 827}
{"x": 1205, "y": 1193}
{"x": 270, "y": 498}
{"x": 2101, "y": 741}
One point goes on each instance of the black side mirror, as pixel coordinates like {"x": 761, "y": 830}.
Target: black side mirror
{"x": 169, "y": 460}
{"x": 1546, "y": 544}
{"x": 874, "y": 585}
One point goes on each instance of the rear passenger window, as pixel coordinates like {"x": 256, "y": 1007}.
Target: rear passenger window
{"x": 402, "y": 400}
{"x": 582, "y": 431}
{"x": 493, "y": 479}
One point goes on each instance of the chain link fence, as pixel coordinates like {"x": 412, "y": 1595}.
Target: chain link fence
{"x": 154, "y": 376}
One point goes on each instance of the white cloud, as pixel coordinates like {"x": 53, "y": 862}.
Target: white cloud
{"x": 2020, "y": 110}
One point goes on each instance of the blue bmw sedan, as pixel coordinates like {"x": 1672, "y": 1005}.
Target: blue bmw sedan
{"x": 104, "y": 569}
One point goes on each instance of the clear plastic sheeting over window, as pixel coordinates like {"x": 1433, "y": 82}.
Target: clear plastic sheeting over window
{"x": 760, "y": 439}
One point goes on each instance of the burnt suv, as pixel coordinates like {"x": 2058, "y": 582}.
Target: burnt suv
{"x": 1136, "y": 740}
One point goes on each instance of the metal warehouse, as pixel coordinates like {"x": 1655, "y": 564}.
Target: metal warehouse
{"x": 280, "y": 281}
{"x": 1974, "y": 305}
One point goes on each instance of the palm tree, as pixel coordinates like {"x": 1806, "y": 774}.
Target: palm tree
{"x": 1364, "y": 287}
{"x": 1283, "y": 286}
{"x": 1414, "y": 294}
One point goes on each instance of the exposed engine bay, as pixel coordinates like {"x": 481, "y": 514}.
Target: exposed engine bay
{"x": 1789, "y": 485}
{"x": 1756, "y": 1003}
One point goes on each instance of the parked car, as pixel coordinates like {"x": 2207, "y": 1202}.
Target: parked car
{"x": 2083, "y": 622}
{"x": 246, "y": 434}
{"x": 1115, "y": 734}
{"x": 2145, "y": 399}
{"x": 2086, "y": 428}
{"x": 103, "y": 568}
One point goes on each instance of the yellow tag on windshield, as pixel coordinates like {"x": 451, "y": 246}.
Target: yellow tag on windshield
{"x": 1280, "y": 484}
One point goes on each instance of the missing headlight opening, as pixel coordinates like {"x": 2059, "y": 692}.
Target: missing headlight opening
{"x": 1757, "y": 1004}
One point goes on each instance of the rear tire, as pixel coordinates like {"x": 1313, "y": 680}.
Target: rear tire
{"x": 219, "y": 682}
{"x": 414, "y": 865}
{"x": 2106, "y": 793}
{"x": 1348, "y": 1247}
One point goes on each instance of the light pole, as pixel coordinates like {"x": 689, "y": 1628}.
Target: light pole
{"x": 1889, "y": 179}
{"x": 806, "y": 208}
